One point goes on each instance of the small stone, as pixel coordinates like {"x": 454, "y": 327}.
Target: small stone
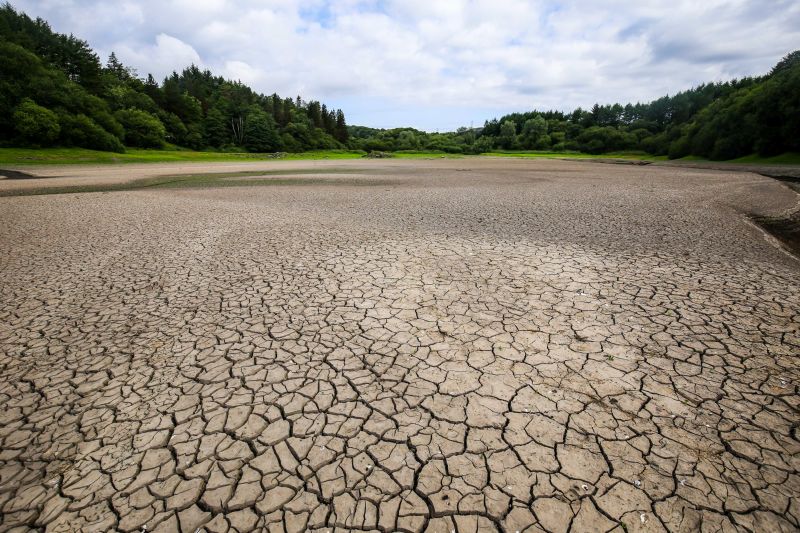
{"x": 637, "y": 483}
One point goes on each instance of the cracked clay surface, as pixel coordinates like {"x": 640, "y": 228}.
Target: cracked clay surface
{"x": 457, "y": 345}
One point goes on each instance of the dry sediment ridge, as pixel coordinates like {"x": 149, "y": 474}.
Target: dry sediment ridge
{"x": 468, "y": 345}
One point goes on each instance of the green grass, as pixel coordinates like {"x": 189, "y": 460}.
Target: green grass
{"x": 636, "y": 156}
{"x": 421, "y": 154}
{"x": 783, "y": 159}
{"x": 320, "y": 154}
{"x": 690, "y": 158}
{"x": 66, "y": 156}
{"x": 77, "y": 156}
{"x": 226, "y": 179}
{"x": 789, "y": 158}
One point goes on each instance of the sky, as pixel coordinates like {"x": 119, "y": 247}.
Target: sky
{"x": 440, "y": 64}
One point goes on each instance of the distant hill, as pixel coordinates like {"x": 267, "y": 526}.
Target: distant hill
{"x": 715, "y": 120}
{"x": 55, "y": 91}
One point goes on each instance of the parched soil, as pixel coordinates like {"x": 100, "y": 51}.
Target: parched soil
{"x": 443, "y": 345}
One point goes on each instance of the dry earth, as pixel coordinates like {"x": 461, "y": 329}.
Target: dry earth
{"x": 451, "y": 345}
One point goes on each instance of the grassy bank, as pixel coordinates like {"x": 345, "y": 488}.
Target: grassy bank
{"x": 788, "y": 158}
{"x": 80, "y": 156}
{"x": 637, "y": 156}
{"x": 77, "y": 156}
{"x": 66, "y": 156}
{"x": 754, "y": 159}
{"x": 422, "y": 154}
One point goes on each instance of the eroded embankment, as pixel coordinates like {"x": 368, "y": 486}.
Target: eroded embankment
{"x": 785, "y": 229}
{"x": 786, "y": 226}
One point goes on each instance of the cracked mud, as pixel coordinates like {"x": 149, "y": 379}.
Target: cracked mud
{"x": 466, "y": 345}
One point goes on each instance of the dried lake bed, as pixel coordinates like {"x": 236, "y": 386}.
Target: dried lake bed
{"x": 469, "y": 344}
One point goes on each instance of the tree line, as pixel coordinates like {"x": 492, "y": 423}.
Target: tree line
{"x": 714, "y": 120}
{"x": 55, "y": 91}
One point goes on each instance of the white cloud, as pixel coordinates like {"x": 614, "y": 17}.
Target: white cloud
{"x": 241, "y": 71}
{"x": 470, "y": 59}
{"x": 167, "y": 54}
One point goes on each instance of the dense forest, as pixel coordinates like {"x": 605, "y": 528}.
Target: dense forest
{"x": 55, "y": 91}
{"x": 715, "y": 120}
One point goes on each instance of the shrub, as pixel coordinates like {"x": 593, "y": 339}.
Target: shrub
{"x": 141, "y": 128}
{"x": 80, "y": 130}
{"x": 36, "y": 124}
{"x": 107, "y": 121}
{"x": 679, "y": 148}
{"x": 176, "y": 130}
{"x": 260, "y": 134}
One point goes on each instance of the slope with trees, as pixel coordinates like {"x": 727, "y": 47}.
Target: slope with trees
{"x": 715, "y": 120}
{"x": 55, "y": 91}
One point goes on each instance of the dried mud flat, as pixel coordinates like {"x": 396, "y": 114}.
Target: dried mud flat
{"x": 455, "y": 345}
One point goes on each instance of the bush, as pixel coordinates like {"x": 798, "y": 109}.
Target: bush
{"x": 260, "y": 133}
{"x": 679, "y": 148}
{"x": 194, "y": 137}
{"x": 655, "y": 144}
{"x": 231, "y": 149}
{"x": 451, "y": 149}
{"x": 290, "y": 144}
{"x": 107, "y": 121}
{"x": 726, "y": 148}
{"x": 141, "y": 128}
{"x": 36, "y": 124}
{"x": 80, "y": 130}
{"x": 176, "y": 130}
{"x": 324, "y": 141}
{"x": 376, "y": 145}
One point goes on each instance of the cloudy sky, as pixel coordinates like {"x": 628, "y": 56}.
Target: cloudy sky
{"x": 441, "y": 64}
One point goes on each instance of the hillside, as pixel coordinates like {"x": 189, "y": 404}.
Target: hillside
{"x": 55, "y": 91}
{"x": 718, "y": 121}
